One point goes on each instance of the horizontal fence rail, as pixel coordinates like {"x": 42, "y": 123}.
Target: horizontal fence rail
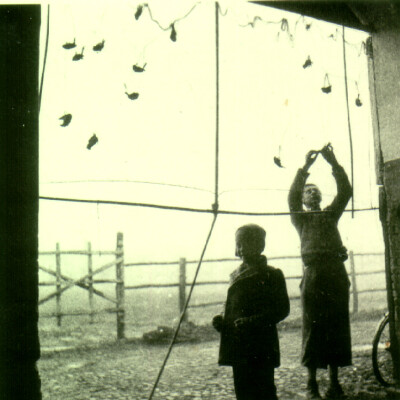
{"x": 63, "y": 282}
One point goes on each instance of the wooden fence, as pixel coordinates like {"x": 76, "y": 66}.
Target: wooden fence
{"x": 62, "y": 282}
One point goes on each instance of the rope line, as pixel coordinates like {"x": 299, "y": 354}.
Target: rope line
{"x": 45, "y": 55}
{"x": 189, "y": 209}
{"x": 184, "y": 308}
{"x": 348, "y": 121}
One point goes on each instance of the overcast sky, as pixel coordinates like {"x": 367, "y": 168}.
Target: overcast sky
{"x": 164, "y": 141}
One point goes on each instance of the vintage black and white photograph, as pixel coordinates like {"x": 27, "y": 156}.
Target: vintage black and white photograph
{"x": 202, "y": 200}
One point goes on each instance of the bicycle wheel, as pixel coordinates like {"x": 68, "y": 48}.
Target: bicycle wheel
{"x": 382, "y": 362}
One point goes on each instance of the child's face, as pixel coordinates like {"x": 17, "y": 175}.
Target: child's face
{"x": 248, "y": 246}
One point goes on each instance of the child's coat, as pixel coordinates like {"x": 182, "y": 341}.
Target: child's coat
{"x": 258, "y": 294}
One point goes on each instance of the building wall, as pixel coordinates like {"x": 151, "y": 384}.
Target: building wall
{"x": 386, "y": 58}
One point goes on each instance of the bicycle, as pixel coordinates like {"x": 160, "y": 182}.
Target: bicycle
{"x": 382, "y": 362}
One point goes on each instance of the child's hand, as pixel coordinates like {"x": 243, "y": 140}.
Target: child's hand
{"x": 217, "y": 322}
{"x": 241, "y": 323}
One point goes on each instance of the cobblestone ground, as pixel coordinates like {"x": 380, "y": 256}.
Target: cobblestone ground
{"x": 127, "y": 371}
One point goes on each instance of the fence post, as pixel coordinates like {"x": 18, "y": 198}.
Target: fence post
{"x": 182, "y": 287}
{"x": 120, "y": 287}
{"x": 90, "y": 280}
{"x": 353, "y": 282}
{"x": 58, "y": 284}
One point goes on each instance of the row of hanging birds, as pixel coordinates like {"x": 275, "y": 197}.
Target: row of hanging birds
{"x": 79, "y": 56}
{"x": 327, "y": 88}
{"x": 66, "y": 120}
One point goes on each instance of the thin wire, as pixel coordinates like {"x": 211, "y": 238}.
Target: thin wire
{"x": 184, "y": 308}
{"x": 348, "y": 121}
{"x": 172, "y": 23}
{"x": 220, "y": 10}
{"x": 189, "y": 209}
{"x": 45, "y": 55}
{"x": 125, "y": 181}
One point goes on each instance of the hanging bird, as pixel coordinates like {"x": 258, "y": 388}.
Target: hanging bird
{"x": 327, "y": 89}
{"x": 173, "y": 33}
{"x": 307, "y": 63}
{"x": 66, "y": 119}
{"x": 308, "y": 26}
{"x": 132, "y": 96}
{"x": 138, "y": 12}
{"x": 69, "y": 45}
{"x": 78, "y": 56}
{"x": 277, "y": 161}
{"x": 136, "y": 68}
{"x": 92, "y": 141}
{"x": 358, "y": 101}
{"x": 99, "y": 46}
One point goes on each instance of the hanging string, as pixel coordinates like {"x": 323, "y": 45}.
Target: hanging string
{"x": 220, "y": 10}
{"x": 45, "y": 55}
{"x": 172, "y": 23}
{"x": 348, "y": 121}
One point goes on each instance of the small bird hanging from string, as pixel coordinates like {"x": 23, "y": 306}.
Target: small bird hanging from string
{"x": 307, "y": 63}
{"x": 131, "y": 96}
{"x": 173, "y": 33}
{"x": 69, "y": 45}
{"x": 78, "y": 56}
{"x": 139, "y": 11}
{"x": 66, "y": 119}
{"x": 327, "y": 88}
{"x": 92, "y": 141}
{"x": 358, "y": 100}
{"x": 99, "y": 46}
{"x": 136, "y": 68}
{"x": 277, "y": 160}
{"x": 308, "y": 26}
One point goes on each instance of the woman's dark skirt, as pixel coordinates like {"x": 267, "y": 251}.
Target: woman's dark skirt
{"x": 325, "y": 305}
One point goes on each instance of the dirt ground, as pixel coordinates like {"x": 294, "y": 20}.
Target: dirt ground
{"x": 127, "y": 370}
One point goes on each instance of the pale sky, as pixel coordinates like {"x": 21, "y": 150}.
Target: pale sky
{"x": 269, "y": 106}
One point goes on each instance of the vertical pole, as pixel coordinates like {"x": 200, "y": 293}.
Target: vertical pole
{"x": 182, "y": 287}
{"x": 19, "y": 125}
{"x": 353, "y": 282}
{"x": 90, "y": 273}
{"x": 348, "y": 122}
{"x": 120, "y": 287}
{"x": 58, "y": 284}
{"x": 215, "y": 205}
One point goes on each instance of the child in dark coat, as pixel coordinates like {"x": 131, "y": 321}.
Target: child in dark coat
{"x": 256, "y": 301}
